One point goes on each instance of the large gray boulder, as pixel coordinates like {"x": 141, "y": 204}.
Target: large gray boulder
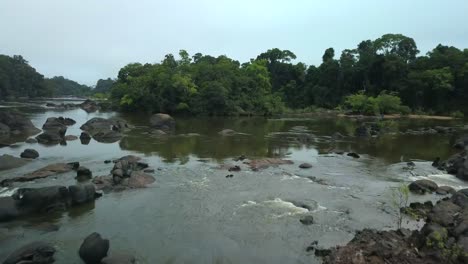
{"x": 17, "y": 123}
{"x": 32, "y": 253}
{"x": 93, "y": 249}
{"x": 42, "y": 200}
{"x": 9, "y": 162}
{"x": 105, "y": 130}
{"x": 29, "y": 154}
{"x": 162, "y": 122}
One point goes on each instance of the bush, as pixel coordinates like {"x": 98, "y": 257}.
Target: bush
{"x": 361, "y": 103}
{"x": 457, "y": 114}
{"x": 388, "y": 103}
{"x": 383, "y": 104}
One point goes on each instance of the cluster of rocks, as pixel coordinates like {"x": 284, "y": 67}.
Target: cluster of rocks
{"x": 62, "y": 106}
{"x": 103, "y": 130}
{"x": 94, "y": 249}
{"x": 55, "y": 129}
{"x": 457, "y": 164}
{"x": 89, "y": 106}
{"x": 428, "y": 186}
{"x": 443, "y": 239}
{"x": 28, "y": 201}
{"x": 128, "y": 172}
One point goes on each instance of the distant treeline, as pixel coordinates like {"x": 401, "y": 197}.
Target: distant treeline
{"x": 272, "y": 82}
{"x": 18, "y": 79}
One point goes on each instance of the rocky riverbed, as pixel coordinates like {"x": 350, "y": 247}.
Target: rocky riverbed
{"x": 281, "y": 190}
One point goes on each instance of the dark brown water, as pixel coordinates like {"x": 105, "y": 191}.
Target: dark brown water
{"x": 193, "y": 214}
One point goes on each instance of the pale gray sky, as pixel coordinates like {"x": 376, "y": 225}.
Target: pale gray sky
{"x": 85, "y": 40}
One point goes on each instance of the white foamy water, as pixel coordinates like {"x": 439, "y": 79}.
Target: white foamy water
{"x": 5, "y": 192}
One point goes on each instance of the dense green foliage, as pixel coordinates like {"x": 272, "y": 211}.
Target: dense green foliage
{"x": 19, "y": 79}
{"x": 384, "y": 75}
{"x": 103, "y": 86}
{"x": 61, "y": 86}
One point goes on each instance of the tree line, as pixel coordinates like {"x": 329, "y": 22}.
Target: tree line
{"x": 366, "y": 78}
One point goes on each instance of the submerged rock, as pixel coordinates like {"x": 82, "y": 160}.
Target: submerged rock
{"x": 267, "y": 162}
{"x": 29, "y": 154}
{"x": 93, "y": 249}
{"x": 44, "y": 172}
{"x": 307, "y": 220}
{"x": 9, "y": 162}
{"x": 162, "y": 122}
{"x": 32, "y": 253}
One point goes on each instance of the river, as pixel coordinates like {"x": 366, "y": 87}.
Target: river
{"x": 194, "y": 214}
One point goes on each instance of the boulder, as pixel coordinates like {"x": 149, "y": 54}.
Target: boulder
{"x": 32, "y": 253}
{"x": 444, "y": 213}
{"x": 18, "y": 123}
{"x": 140, "y": 179}
{"x": 54, "y": 123}
{"x": 29, "y": 154}
{"x": 8, "y": 210}
{"x": 461, "y": 143}
{"x": 353, "y": 155}
{"x": 9, "y": 162}
{"x": 234, "y": 168}
{"x": 104, "y": 130}
{"x": 422, "y": 186}
{"x": 42, "y": 200}
{"x": 119, "y": 259}
{"x": 83, "y": 173}
{"x": 93, "y": 249}
{"x": 305, "y": 166}
{"x": 307, "y": 220}
{"x": 52, "y": 137}
{"x": 89, "y": 106}
{"x": 80, "y": 194}
{"x": 85, "y": 138}
{"x": 444, "y": 190}
{"x": 162, "y": 122}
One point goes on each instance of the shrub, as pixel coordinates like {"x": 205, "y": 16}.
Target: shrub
{"x": 383, "y": 104}
{"x": 388, "y": 103}
{"x": 457, "y": 114}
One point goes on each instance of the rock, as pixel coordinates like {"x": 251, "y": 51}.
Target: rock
{"x": 107, "y": 161}
{"x": 8, "y": 210}
{"x": 444, "y": 213}
{"x": 354, "y": 155}
{"x": 422, "y": 186}
{"x": 461, "y": 143}
{"x": 162, "y": 122}
{"x": 240, "y": 158}
{"x": 307, "y": 220}
{"x": 305, "y": 166}
{"x": 104, "y": 130}
{"x": 444, "y": 190}
{"x": 32, "y": 253}
{"x": 140, "y": 179}
{"x": 118, "y": 173}
{"x": 118, "y": 259}
{"x": 4, "y": 130}
{"x": 80, "y": 194}
{"x": 85, "y": 138}
{"x": 83, "y": 173}
{"x": 362, "y": 131}
{"x": 54, "y": 123}
{"x": 29, "y": 154}
{"x": 109, "y": 136}
{"x": 89, "y": 106}
{"x": 44, "y": 172}
{"x": 267, "y": 162}
{"x": 52, "y": 137}
{"x": 337, "y": 135}
{"x": 436, "y": 162}
{"x": 17, "y": 123}
{"x": 227, "y": 132}
{"x": 234, "y": 168}
{"x": 418, "y": 210}
{"x": 148, "y": 171}
{"x": 42, "y": 200}
{"x": 158, "y": 132}
{"x": 31, "y": 141}
{"x": 9, "y": 162}
{"x": 93, "y": 249}
{"x": 70, "y": 137}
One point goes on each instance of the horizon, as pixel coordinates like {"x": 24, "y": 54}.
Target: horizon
{"x": 85, "y": 51}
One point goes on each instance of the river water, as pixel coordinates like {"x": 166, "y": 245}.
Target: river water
{"x": 194, "y": 214}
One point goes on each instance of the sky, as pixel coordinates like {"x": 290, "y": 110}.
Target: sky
{"x": 86, "y": 40}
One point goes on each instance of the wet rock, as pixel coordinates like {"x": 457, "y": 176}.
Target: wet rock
{"x": 227, "y": 132}
{"x": 70, "y": 137}
{"x": 42, "y": 200}
{"x": 89, "y": 106}
{"x": 362, "y": 131}
{"x": 422, "y": 186}
{"x": 148, "y": 171}
{"x": 140, "y": 179}
{"x": 240, "y": 158}
{"x": 54, "y": 123}
{"x": 4, "y": 130}
{"x": 17, "y": 123}
{"x": 9, "y": 162}
{"x": 107, "y": 161}
{"x": 418, "y": 210}
{"x": 29, "y": 154}
{"x": 234, "y": 168}
{"x": 83, "y": 173}
{"x": 307, "y": 220}
{"x": 44, "y": 172}
{"x": 104, "y": 130}
{"x": 80, "y": 194}
{"x": 8, "y": 209}
{"x": 444, "y": 190}
{"x": 85, "y": 138}
{"x": 32, "y": 253}
{"x": 461, "y": 143}
{"x": 353, "y": 155}
{"x": 31, "y": 141}
{"x": 444, "y": 213}
{"x": 267, "y": 162}
{"x": 52, "y": 137}
{"x": 229, "y": 176}
{"x": 305, "y": 166}
{"x": 93, "y": 249}
{"x": 436, "y": 162}
{"x": 162, "y": 122}
{"x": 119, "y": 259}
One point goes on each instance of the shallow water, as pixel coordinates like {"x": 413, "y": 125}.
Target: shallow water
{"x": 194, "y": 214}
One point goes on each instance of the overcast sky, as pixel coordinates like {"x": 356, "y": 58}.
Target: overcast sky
{"x": 85, "y": 40}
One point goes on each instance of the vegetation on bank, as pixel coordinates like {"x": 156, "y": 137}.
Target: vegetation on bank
{"x": 382, "y": 76}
